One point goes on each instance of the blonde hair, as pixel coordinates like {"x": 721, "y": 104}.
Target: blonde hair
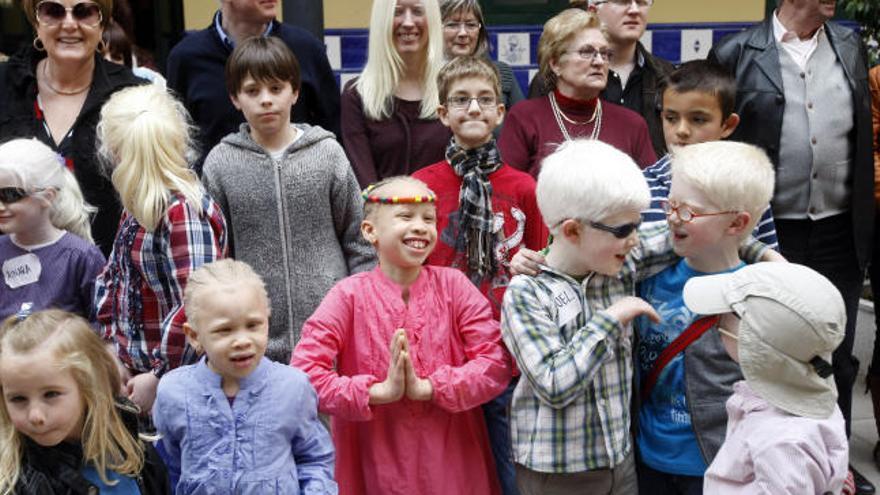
{"x": 464, "y": 67}
{"x": 384, "y": 68}
{"x": 734, "y": 176}
{"x": 558, "y": 32}
{"x": 377, "y": 188}
{"x": 106, "y": 442}
{"x": 146, "y": 137}
{"x": 35, "y": 166}
{"x": 589, "y": 180}
{"x": 225, "y": 272}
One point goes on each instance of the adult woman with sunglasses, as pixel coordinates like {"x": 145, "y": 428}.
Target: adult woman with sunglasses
{"x": 389, "y": 114}
{"x": 574, "y": 53}
{"x": 464, "y": 33}
{"x": 54, "y": 90}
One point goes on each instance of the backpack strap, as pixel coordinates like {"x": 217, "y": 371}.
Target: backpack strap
{"x": 692, "y": 333}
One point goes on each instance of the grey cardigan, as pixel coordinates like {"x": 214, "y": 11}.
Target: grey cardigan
{"x": 296, "y": 221}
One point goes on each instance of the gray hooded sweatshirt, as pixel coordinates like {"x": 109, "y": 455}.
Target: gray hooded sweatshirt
{"x": 295, "y": 220}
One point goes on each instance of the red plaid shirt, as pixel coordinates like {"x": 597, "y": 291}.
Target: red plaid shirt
{"x": 139, "y": 294}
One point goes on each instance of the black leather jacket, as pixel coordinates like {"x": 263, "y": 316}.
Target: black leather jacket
{"x": 56, "y": 470}
{"x": 760, "y": 101}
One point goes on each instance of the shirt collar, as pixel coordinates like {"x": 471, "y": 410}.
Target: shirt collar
{"x": 783, "y": 35}
{"x": 218, "y": 26}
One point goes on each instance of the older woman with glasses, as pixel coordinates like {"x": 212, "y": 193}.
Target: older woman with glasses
{"x": 464, "y": 33}
{"x": 574, "y": 53}
{"x": 54, "y": 90}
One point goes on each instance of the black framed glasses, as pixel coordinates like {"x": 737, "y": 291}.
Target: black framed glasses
{"x": 686, "y": 214}
{"x": 469, "y": 26}
{"x": 12, "y": 194}
{"x": 590, "y": 53}
{"x": 461, "y": 102}
{"x": 619, "y": 231}
{"x": 52, "y": 13}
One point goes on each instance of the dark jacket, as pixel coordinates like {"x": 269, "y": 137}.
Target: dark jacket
{"x": 760, "y": 102}
{"x": 196, "y": 68}
{"x": 18, "y": 93}
{"x": 653, "y": 74}
{"x": 56, "y": 470}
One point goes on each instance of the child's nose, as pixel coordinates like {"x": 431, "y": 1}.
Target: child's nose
{"x": 36, "y": 416}
{"x": 473, "y": 106}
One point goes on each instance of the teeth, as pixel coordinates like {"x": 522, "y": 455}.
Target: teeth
{"x": 416, "y": 244}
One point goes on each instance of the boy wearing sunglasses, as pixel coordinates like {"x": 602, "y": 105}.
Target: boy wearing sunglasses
{"x": 719, "y": 190}
{"x": 569, "y": 326}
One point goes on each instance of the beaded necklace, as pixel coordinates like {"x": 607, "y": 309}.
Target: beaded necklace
{"x": 597, "y": 117}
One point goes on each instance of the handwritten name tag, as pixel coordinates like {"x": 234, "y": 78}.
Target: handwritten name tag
{"x": 21, "y": 270}
{"x": 567, "y": 302}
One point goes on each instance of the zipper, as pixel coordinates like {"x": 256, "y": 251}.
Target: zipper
{"x": 282, "y": 220}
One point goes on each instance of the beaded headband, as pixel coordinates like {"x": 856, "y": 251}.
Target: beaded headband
{"x": 395, "y": 200}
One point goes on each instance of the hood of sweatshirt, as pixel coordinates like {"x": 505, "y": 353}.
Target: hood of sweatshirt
{"x": 311, "y": 134}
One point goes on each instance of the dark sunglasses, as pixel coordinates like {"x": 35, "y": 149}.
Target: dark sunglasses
{"x": 618, "y": 231}
{"x": 12, "y": 194}
{"x": 53, "y": 13}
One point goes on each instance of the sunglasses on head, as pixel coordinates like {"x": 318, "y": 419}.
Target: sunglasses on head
{"x": 12, "y": 194}
{"x": 52, "y": 13}
{"x": 619, "y": 231}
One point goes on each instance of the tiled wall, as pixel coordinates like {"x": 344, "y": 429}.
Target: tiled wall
{"x": 518, "y": 46}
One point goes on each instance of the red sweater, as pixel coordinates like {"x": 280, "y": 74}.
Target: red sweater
{"x": 517, "y": 219}
{"x": 531, "y": 133}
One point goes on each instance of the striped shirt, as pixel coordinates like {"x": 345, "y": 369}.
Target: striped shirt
{"x": 139, "y": 295}
{"x": 659, "y": 177}
{"x": 572, "y": 412}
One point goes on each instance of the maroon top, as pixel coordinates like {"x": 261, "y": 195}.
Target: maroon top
{"x": 531, "y": 133}
{"x": 398, "y": 145}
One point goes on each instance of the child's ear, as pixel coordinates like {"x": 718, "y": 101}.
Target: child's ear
{"x": 443, "y": 115}
{"x": 192, "y": 337}
{"x": 501, "y": 111}
{"x": 368, "y": 231}
{"x": 295, "y": 97}
{"x": 570, "y": 229}
{"x": 739, "y": 223}
{"x": 48, "y": 195}
{"x": 234, "y": 99}
{"x": 729, "y": 125}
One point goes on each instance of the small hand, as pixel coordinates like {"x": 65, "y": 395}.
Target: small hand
{"x": 393, "y": 387}
{"x": 417, "y": 388}
{"x": 526, "y": 261}
{"x": 142, "y": 390}
{"x": 628, "y": 308}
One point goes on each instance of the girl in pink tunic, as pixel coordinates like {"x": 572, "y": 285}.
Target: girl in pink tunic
{"x": 401, "y": 358}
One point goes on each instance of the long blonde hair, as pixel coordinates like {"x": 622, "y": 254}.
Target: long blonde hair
{"x": 146, "y": 138}
{"x": 384, "y": 67}
{"x": 106, "y": 442}
{"x": 35, "y": 166}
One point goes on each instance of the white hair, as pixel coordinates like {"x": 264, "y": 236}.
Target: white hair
{"x": 36, "y": 166}
{"x": 384, "y": 67}
{"x": 589, "y": 180}
{"x": 734, "y": 176}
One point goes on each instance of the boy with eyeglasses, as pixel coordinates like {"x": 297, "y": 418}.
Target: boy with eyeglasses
{"x": 719, "y": 191}
{"x": 486, "y": 210}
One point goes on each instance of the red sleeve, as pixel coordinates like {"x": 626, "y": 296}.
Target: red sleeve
{"x": 355, "y": 138}
{"x": 536, "y": 233}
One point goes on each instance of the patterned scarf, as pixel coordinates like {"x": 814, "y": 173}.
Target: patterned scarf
{"x": 475, "y": 214}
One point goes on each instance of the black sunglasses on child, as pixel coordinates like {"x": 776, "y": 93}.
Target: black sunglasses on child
{"x": 52, "y": 13}
{"x": 618, "y": 231}
{"x": 12, "y": 194}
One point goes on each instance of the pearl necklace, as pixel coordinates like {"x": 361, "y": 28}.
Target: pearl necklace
{"x": 597, "y": 117}
{"x": 56, "y": 90}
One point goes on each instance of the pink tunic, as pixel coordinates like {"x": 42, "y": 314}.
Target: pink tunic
{"x": 407, "y": 447}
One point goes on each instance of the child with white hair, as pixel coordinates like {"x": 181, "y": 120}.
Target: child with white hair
{"x": 785, "y": 432}
{"x": 47, "y": 254}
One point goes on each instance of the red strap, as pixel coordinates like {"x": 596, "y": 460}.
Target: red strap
{"x": 692, "y": 333}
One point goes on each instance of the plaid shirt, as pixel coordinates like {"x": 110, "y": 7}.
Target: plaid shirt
{"x": 659, "y": 177}
{"x": 139, "y": 294}
{"x": 572, "y": 412}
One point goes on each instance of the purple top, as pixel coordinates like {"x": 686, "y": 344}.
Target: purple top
{"x": 398, "y": 145}
{"x": 60, "y": 275}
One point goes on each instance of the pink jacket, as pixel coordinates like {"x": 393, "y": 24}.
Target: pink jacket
{"x": 768, "y": 451}
{"x": 407, "y": 447}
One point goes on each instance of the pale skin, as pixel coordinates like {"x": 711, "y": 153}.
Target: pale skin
{"x": 402, "y": 379}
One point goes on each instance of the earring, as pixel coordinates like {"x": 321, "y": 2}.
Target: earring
{"x": 38, "y": 45}
{"x": 102, "y": 47}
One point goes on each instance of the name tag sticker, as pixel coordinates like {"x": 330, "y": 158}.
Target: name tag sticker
{"x": 22, "y": 270}
{"x": 567, "y": 303}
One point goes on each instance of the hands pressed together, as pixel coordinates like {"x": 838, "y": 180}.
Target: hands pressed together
{"x": 402, "y": 379}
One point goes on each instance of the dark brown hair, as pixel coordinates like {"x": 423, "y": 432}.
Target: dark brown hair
{"x": 265, "y": 59}
{"x": 706, "y": 77}
{"x": 118, "y": 44}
